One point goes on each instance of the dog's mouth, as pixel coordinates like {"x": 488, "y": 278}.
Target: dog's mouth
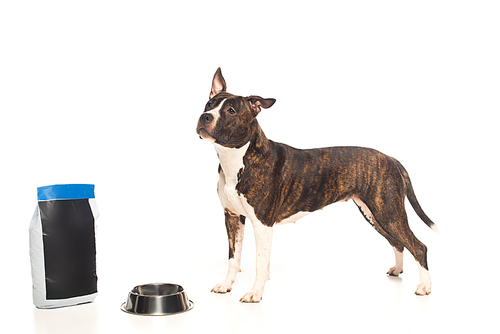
{"x": 203, "y": 133}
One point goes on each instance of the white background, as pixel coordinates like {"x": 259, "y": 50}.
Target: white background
{"x": 109, "y": 92}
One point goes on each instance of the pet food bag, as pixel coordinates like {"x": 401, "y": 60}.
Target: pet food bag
{"x": 62, "y": 246}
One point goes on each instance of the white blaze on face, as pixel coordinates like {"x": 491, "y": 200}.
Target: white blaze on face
{"x": 209, "y": 127}
{"x": 216, "y": 112}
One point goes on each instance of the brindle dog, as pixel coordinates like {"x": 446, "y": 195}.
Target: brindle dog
{"x": 271, "y": 183}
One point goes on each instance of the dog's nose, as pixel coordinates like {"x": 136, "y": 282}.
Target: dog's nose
{"x": 206, "y": 118}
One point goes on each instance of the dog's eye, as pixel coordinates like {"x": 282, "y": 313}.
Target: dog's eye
{"x": 231, "y": 111}
{"x": 209, "y": 103}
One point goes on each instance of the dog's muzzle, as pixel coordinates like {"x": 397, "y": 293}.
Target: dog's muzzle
{"x": 203, "y": 122}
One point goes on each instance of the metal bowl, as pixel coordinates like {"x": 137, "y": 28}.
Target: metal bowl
{"x": 157, "y": 299}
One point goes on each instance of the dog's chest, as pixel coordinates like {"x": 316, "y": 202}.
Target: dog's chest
{"x": 231, "y": 160}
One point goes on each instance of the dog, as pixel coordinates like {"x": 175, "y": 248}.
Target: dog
{"x": 272, "y": 184}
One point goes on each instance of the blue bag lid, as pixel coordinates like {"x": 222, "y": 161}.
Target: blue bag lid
{"x": 66, "y": 191}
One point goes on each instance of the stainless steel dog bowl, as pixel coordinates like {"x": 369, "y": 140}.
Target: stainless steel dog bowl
{"x": 157, "y": 299}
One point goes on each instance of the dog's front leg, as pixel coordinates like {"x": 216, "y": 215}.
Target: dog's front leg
{"x": 235, "y": 227}
{"x": 263, "y": 241}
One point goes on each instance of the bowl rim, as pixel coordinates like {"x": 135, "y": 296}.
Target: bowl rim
{"x": 157, "y": 296}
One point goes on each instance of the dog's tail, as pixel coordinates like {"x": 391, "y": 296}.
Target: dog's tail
{"x": 413, "y": 199}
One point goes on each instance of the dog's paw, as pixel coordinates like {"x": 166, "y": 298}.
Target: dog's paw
{"x": 222, "y": 288}
{"x": 252, "y": 296}
{"x": 423, "y": 289}
{"x": 395, "y": 271}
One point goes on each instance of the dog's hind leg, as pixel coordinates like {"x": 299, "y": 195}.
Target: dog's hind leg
{"x": 394, "y": 223}
{"x": 398, "y": 268}
{"x": 397, "y": 246}
{"x": 235, "y": 227}
{"x": 419, "y": 252}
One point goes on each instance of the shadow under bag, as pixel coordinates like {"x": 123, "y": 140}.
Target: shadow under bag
{"x": 62, "y": 246}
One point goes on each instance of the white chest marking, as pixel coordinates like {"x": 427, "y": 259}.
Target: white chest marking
{"x": 231, "y": 160}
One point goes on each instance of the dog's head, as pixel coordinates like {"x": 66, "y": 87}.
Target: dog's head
{"x": 227, "y": 119}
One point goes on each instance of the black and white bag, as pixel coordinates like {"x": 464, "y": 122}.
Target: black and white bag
{"x": 62, "y": 246}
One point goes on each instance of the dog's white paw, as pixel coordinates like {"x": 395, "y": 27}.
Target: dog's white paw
{"x": 252, "y": 296}
{"x": 395, "y": 271}
{"x": 423, "y": 289}
{"x": 224, "y": 287}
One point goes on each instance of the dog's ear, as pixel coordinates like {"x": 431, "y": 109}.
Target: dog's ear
{"x": 218, "y": 84}
{"x": 256, "y": 102}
